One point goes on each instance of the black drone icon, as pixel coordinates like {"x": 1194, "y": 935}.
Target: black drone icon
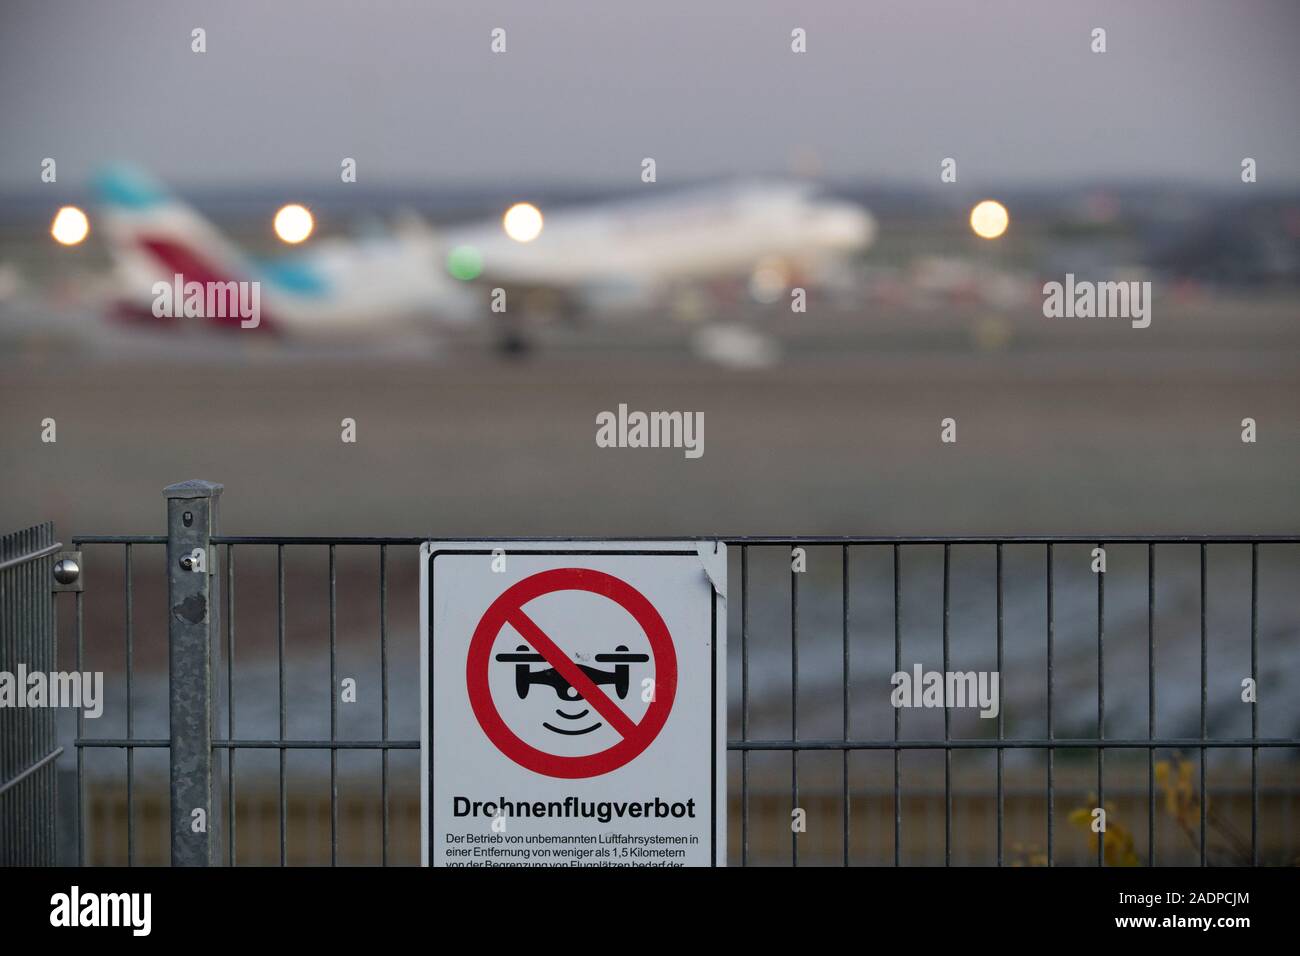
{"x": 526, "y": 677}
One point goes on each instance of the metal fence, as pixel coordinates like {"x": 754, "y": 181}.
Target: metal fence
{"x": 27, "y": 742}
{"x": 203, "y": 696}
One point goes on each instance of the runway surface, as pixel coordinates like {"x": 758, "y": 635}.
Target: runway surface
{"x": 840, "y": 437}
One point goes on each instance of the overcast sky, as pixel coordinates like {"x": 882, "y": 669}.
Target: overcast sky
{"x": 887, "y": 89}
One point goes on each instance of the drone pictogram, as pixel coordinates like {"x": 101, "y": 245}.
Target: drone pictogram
{"x": 525, "y": 677}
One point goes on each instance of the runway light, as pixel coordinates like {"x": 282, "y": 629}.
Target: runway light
{"x": 465, "y": 262}
{"x": 70, "y": 226}
{"x": 523, "y": 222}
{"x": 989, "y": 219}
{"x": 293, "y": 223}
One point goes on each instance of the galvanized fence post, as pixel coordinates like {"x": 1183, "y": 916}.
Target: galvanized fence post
{"x": 191, "y": 630}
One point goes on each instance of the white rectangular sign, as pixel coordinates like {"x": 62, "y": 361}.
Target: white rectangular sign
{"x": 573, "y": 701}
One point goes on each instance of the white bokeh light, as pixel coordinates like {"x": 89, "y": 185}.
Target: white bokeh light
{"x": 70, "y": 226}
{"x": 523, "y": 222}
{"x": 293, "y": 223}
{"x": 989, "y": 219}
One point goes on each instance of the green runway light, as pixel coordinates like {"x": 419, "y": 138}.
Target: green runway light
{"x": 465, "y": 262}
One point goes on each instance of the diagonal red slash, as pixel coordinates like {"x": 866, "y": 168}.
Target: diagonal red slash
{"x": 637, "y": 737}
{"x": 571, "y": 672}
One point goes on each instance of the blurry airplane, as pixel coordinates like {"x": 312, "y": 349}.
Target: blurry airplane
{"x": 634, "y": 252}
{"x": 599, "y": 259}
{"x": 335, "y": 288}
{"x": 642, "y": 254}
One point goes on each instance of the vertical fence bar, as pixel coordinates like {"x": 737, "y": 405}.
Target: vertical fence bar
{"x": 20, "y": 618}
{"x": 898, "y": 666}
{"x": 334, "y": 716}
{"x": 52, "y": 781}
{"x": 11, "y": 652}
{"x": 28, "y": 639}
{"x": 42, "y": 644}
{"x": 1254, "y": 704}
{"x": 28, "y": 636}
{"x": 1051, "y": 732}
{"x": 1203, "y": 701}
{"x": 37, "y": 593}
{"x": 191, "y": 520}
{"x": 794, "y": 709}
{"x": 30, "y": 744}
{"x": 744, "y": 704}
{"x": 844, "y": 754}
{"x": 27, "y": 794}
{"x": 1001, "y": 725}
{"x": 16, "y": 616}
{"x": 34, "y": 592}
{"x": 19, "y": 614}
{"x": 230, "y": 697}
{"x": 279, "y": 634}
{"x": 57, "y": 851}
{"x": 42, "y": 575}
{"x": 947, "y": 718}
{"x": 16, "y": 803}
{"x": 8, "y": 746}
{"x": 1101, "y": 699}
{"x": 16, "y": 651}
{"x": 12, "y": 812}
{"x": 30, "y": 591}
{"x": 1151, "y": 704}
{"x": 11, "y": 745}
{"x": 130, "y": 713}
{"x": 51, "y": 649}
{"x": 81, "y": 734}
{"x": 383, "y": 690}
{"x": 26, "y": 718}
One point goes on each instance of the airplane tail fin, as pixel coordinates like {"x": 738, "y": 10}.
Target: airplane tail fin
{"x": 154, "y": 237}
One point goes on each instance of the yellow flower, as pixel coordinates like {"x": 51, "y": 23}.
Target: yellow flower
{"x": 1081, "y": 818}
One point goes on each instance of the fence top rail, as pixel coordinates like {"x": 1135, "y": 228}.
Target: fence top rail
{"x": 31, "y": 555}
{"x": 756, "y": 540}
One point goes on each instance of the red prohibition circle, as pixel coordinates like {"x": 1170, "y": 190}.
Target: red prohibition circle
{"x": 512, "y": 600}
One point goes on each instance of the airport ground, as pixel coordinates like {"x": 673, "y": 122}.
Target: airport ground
{"x": 1086, "y": 426}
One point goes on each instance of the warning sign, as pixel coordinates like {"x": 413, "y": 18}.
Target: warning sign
{"x": 574, "y": 704}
